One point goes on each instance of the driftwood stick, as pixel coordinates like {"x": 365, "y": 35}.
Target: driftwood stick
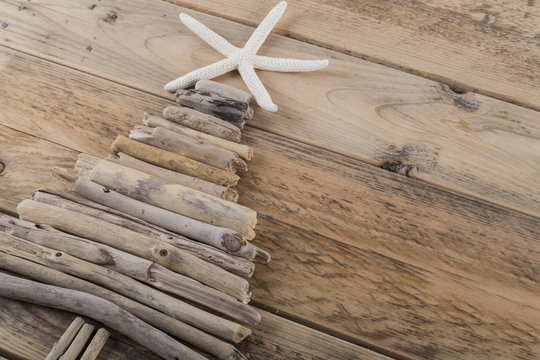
{"x": 67, "y": 337}
{"x": 224, "y": 239}
{"x": 134, "y": 243}
{"x": 78, "y": 344}
{"x": 233, "y": 111}
{"x": 124, "y": 285}
{"x": 96, "y": 344}
{"x": 174, "y": 197}
{"x": 174, "y": 177}
{"x": 234, "y": 264}
{"x": 173, "y": 161}
{"x": 153, "y": 214}
{"x": 223, "y": 90}
{"x": 187, "y": 146}
{"x": 170, "y": 325}
{"x": 244, "y": 151}
{"x": 98, "y": 309}
{"x": 205, "y": 123}
{"x": 135, "y": 267}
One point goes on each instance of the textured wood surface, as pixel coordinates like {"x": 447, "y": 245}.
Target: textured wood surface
{"x": 359, "y": 252}
{"x": 396, "y": 264}
{"x": 465, "y": 142}
{"x": 488, "y": 46}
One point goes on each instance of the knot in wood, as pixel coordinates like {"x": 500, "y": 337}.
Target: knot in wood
{"x": 163, "y": 252}
{"x": 233, "y": 242}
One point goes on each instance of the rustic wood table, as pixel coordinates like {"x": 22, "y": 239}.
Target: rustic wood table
{"x": 398, "y": 189}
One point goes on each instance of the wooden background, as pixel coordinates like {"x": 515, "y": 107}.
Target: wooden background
{"x": 436, "y": 259}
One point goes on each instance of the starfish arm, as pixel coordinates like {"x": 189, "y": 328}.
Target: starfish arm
{"x": 265, "y": 27}
{"x": 213, "y": 39}
{"x": 207, "y": 72}
{"x": 287, "y": 65}
{"x": 256, "y": 87}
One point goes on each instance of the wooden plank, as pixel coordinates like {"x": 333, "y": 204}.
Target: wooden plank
{"x": 465, "y": 142}
{"x": 435, "y": 39}
{"x": 362, "y": 253}
{"x": 29, "y": 332}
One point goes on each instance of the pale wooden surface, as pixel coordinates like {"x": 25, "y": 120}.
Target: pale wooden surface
{"x": 469, "y": 143}
{"x": 395, "y": 264}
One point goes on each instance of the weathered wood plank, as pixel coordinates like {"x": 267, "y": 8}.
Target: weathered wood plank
{"x": 465, "y": 142}
{"x": 379, "y": 258}
{"x": 437, "y": 39}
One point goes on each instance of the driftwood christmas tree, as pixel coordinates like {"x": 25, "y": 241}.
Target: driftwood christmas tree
{"x": 150, "y": 240}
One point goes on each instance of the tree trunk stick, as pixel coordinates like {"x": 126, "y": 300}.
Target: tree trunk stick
{"x": 231, "y": 110}
{"x": 225, "y": 239}
{"x": 124, "y": 285}
{"x": 134, "y": 243}
{"x": 234, "y": 264}
{"x": 170, "y": 325}
{"x": 174, "y": 162}
{"x": 78, "y": 343}
{"x": 175, "y": 177}
{"x": 244, "y": 151}
{"x": 202, "y": 122}
{"x": 190, "y": 147}
{"x": 98, "y": 309}
{"x": 137, "y": 268}
{"x": 67, "y": 337}
{"x": 95, "y": 346}
{"x": 223, "y": 90}
{"x": 174, "y": 197}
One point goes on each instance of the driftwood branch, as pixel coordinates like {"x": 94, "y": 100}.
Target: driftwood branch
{"x": 205, "y": 123}
{"x": 134, "y": 243}
{"x": 190, "y": 147}
{"x": 78, "y": 344}
{"x": 98, "y": 309}
{"x": 67, "y": 337}
{"x": 223, "y": 90}
{"x": 224, "y": 239}
{"x": 124, "y": 285}
{"x": 244, "y": 151}
{"x": 173, "y": 176}
{"x": 170, "y": 325}
{"x": 231, "y": 110}
{"x": 137, "y": 268}
{"x": 174, "y": 197}
{"x": 96, "y": 344}
{"x": 234, "y": 264}
{"x": 173, "y": 161}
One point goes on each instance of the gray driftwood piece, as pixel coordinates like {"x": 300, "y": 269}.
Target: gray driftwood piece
{"x": 185, "y": 145}
{"x": 136, "y": 244}
{"x": 124, "y": 285}
{"x": 223, "y": 90}
{"x": 223, "y": 239}
{"x": 67, "y": 337}
{"x": 98, "y": 309}
{"x": 221, "y": 349}
{"x": 205, "y": 123}
{"x": 130, "y": 265}
{"x": 233, "y": 111}
{"x": 96, "y": 344}
{"x": 234, "y": 264}
{"x": 78, "y": 344}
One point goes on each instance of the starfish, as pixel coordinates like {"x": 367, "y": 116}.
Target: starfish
{"x": 244, "y": 59}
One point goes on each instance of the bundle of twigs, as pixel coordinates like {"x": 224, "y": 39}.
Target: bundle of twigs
{"x": 151, "y": 240}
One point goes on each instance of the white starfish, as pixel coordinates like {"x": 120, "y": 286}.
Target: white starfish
{"x": 244, "y": 59}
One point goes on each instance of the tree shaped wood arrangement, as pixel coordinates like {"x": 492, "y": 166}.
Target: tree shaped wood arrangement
{"x": 151, "y": 240}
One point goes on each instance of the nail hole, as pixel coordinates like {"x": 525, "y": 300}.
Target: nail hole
{"x": 4, "y": 25}
{"x": 163, "y": 252}
{"x": 58, "y": 254}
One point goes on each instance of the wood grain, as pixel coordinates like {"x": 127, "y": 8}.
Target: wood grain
{"x": 465, "y": 142}
{"x": 360, "y": 252}
{"x": 490, "y": 47}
